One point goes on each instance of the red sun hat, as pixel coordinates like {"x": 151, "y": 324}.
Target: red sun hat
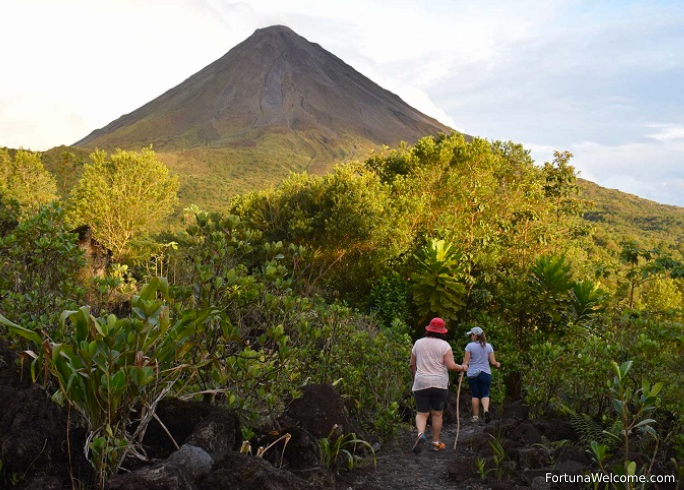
{"x": 437, "y": 325}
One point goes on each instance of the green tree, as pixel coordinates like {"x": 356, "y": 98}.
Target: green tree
{"x": 123, "y": 195}
{"x": 25, "y": 180}
{"x": 661, "y": 295}
{"x": 346, "y": 219}
{"x": 561, "y": 184}
{"x": 645, "y": 265}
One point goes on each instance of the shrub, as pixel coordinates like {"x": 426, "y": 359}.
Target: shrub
{"x": 42, "y": 268}
{"x": 114, "y": 372}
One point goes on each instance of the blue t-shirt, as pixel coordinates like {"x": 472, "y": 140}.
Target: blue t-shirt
{"x": 479, "y": 358}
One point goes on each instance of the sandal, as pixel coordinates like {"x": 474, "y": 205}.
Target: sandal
{"x": 437, "y": 446}
{"x": 418, "y": 445}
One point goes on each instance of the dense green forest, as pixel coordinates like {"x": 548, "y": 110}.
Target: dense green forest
{"x": 330, "y": 278}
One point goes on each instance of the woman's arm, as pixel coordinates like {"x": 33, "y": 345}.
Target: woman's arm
{"x": 466, "y": 358}
{"x": 412, "y": 366}
{"x": 493, "y": 361}
{"x": 451, "y": 364}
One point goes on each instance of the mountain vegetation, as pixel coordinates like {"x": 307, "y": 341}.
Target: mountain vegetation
{"x": 329, "y": 278}
{"x": 258, "y": 248}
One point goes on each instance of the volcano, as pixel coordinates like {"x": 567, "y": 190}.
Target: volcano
{"x": 275, "y": 82}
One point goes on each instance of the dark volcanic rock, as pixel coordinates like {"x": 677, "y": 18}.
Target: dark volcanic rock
{"x": 213, "y": 428}
{"x": 158, "y": 477}
{"x": 526, "y": 433}
{"x": 571, "y": 453}
{"x": 556, "y": 429}
{"x": 462, "y": 468}
{"x": 531, "y": 457}
{"x": 516, "y": 410}
{"x": 217, "y": 433}
{"x": 243, "y": 472}
{"x": 502, "y": 428}
{"x": 43, "y": 483}
{"x": 33, "y": 438}
{"x": 301, "y": 452}
{"x": 194, "y": 461}
{"x": 318, "y": 410}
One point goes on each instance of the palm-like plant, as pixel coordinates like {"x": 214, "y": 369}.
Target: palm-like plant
{"x": 549, "y": 280}
{"x": 437, "y": 287}
{"x": 587, "y": 300}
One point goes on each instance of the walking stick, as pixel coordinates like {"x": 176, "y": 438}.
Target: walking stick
{"x": 458, "y": 409}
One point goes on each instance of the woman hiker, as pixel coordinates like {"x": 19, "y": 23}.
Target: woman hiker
{"x": 431, "y": 360}
{"x": 479, "y": 356}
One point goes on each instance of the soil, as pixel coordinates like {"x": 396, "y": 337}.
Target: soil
{"x": 398, "y": 467}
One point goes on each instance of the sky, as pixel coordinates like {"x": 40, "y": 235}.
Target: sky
{"x": 603, "y": 79}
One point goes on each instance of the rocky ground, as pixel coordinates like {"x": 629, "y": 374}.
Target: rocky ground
{"x": 398, "y": 467}
{"x": 35, "y": 453}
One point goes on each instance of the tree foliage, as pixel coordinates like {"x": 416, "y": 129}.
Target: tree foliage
{"x": 346, "y": 219}
{"x": 123, "y": 195}
{"x": 23, "y": 178}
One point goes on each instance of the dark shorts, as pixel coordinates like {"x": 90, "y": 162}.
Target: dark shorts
{"x": 480, "y": 384}
{"x": 430, "y": 399}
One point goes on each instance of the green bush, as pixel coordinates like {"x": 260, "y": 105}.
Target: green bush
{"x": 389, "y": 299}
{"x": 114, "y": 372}
{"x": 42, "y": 270}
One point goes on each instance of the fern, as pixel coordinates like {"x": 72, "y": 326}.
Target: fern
{"x": 589, "y": 430}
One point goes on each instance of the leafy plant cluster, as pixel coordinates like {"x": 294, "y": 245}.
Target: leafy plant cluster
{"x": 42, "y": 270}
{"x": 329, "y": 279}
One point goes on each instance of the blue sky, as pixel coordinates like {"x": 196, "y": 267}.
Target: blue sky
{"x": 600, "y": 79}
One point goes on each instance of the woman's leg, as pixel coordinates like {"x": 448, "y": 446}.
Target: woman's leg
{"x": 422, "y": 409}
{"x": 476, "y": 406}
{"x": 436, "y": 424}
{"x": 475, "y": 393}
{"x": 485, "y": 381}
{"x": 421, "y": 421}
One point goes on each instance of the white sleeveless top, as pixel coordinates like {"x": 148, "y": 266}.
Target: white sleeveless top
{"x": 431, "y": 372}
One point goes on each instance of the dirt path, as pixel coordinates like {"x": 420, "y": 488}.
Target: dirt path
{"x": 399, "y": 468}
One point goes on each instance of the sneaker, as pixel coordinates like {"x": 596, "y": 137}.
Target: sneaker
{"x": 475, "y": 419}
{"x": 487, "y": 418}
{"x": 418, "y": 445}
{"x": 437, "y": 446}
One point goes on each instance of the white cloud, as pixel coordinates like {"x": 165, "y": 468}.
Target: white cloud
{"x": 667, "y": 132}
{"x": 650, "y": 170}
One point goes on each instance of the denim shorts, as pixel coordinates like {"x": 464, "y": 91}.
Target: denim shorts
{"x": 430, "y": 399}
{"x": 480, "y": 384}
